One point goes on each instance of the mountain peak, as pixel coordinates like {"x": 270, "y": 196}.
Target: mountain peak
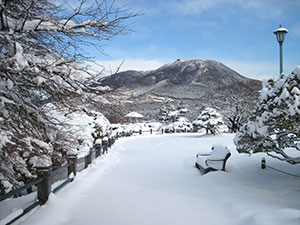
{"x": 205, "y": 73}
{"x": 195, "y": 81}
{"x": 187, "y": 63}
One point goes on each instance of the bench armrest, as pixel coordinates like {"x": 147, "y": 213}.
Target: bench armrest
{"x": 203, "y": 154}
{"x": 216, "y": 160}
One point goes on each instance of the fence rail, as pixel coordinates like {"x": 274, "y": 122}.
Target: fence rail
{"x": 264, "y": 166}
{"x": 18, "y": 191}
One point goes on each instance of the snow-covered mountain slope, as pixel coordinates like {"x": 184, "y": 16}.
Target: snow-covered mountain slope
{"x": 197, "y": 83}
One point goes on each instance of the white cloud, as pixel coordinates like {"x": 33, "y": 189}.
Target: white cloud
{"x": 195, "y": 6}
{"x": 129, "y": 64}
{"x": 262, "y": 8}
{"x": 257, "y": 70}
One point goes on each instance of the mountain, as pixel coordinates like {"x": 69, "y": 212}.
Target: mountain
{"x": 194, "y": 83}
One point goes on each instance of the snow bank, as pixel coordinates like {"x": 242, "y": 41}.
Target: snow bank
{"x": 284, "y": 216}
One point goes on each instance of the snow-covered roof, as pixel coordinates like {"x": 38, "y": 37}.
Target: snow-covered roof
{"x": 134, "y": 115}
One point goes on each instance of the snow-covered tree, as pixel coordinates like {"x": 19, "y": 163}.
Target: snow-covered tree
{"x": 164, "y": 112}
{"x": 211, "y": 120}
{"x": 42, "y": 61}
{"x": 183, "y": 109}
{"x": 174, "y": 118}
{"x": 169, "y": 113}
{"x": 182, "y": 124}
{"x": 237, "y": 111}
{"x": 236, "y": 107}
{"x": 274, "y": 126}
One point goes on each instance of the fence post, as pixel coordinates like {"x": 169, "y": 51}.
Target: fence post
{"x": 109, "y": 142}
{"x": 72, "y": 159}
{"x": 88, "y": 158}
{"x": 263, "y": 163}
{"x": 98, "y": 145}
{"x": 105, "y": 144}
{"x": 113, "y": 139}
{"x": 44, "y": 187}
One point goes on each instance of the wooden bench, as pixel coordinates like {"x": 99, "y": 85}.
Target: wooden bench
{"x": 214, "y": 161}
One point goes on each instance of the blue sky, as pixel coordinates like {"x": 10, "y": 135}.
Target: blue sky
{"x": 238, "y": 33}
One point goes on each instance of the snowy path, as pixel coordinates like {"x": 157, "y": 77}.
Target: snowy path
{"x": 152, "y": 181}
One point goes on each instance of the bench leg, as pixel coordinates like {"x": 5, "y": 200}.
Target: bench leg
{"x": 204, "y": 171}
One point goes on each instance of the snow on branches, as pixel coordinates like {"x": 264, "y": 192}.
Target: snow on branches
{"x": 42, "y": 62}
{"x": 274, "y": 126}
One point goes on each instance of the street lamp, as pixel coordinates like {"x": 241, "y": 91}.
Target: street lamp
{"x": 280, "y": 33}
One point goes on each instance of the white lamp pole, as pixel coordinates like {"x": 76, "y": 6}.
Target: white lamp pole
{"x": 280, "y": 33}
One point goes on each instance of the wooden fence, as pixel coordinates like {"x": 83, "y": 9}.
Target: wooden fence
{"x": 46, "y": 176}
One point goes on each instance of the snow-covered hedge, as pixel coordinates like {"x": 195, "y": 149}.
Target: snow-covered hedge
{"x": 80, "y": 129}
{"x": 67, "y": 133}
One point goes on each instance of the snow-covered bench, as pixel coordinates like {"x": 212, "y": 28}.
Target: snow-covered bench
{"x": 214, "y": 161}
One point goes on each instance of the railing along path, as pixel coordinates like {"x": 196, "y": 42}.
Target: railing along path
{"x": 46, "y": 176}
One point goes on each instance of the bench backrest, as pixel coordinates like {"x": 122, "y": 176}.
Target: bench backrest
{"x": 219, "y": 152}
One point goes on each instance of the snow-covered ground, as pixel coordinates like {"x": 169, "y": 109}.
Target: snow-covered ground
{"x": 151, "y": 180}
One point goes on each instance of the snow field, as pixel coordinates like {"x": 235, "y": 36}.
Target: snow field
{"x": 152, "y": 180}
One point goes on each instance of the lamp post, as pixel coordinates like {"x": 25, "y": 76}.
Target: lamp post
{"x": 280, "y": 33}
